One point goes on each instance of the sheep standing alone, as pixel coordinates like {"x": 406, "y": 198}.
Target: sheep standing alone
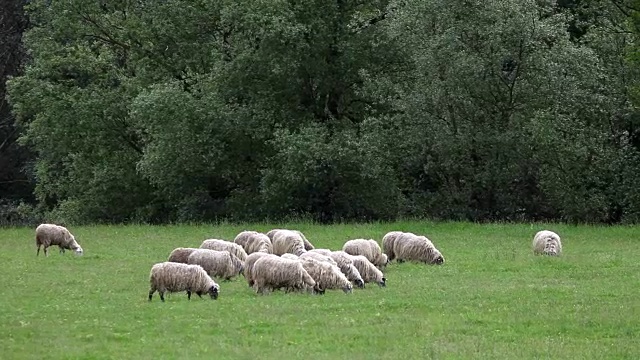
{"x": 174, "y": 277}
{"x": 387, "y": 243}
{"x": 547, "y": 242}
{"x": 368, "y": 271}
{"x": 180, "y": 255}
{"x": 325, "y": 274}
{"x": 307, "y": 244}
{"x": 287, "y": 241}
{"x": 367, "y": 248}
{"x": 221, "y": 264}
{"x": 223, "y": 245}
{"x": 250, "y": 262}
{"x": 411, "y": 247}
{"x": 253, "y": 241}
{"x": 273, "y": 272}
{"x": 50, "y": 234}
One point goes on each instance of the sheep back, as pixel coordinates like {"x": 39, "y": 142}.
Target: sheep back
{"x": 223, "y": 245}
{"x": 368, "y": 248}
{"x": 387, "y": 243}
{"x": 217, "y": 263}
{"x": 290, "y": 256}
{"x": 547, "y": 242}
{"x": 180, "y": 255}
{"x": 306, "y": 243}
{"x": 287, "y": 241}
{"x": 318, "y": 256}
{"x": 253, "y": 241}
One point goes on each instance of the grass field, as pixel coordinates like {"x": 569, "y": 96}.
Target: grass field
{"x": 492, "y": 299}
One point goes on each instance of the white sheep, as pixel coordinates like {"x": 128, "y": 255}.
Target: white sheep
{"x": 253, "y": 241}
{"x": 287, "y": 241}
{"x": 273, "y": 272}
{"x": 307, "y": 244}
{"x": 387, "y": 243}
{"x": 51, "y": 234}
{"x": 174, "y": 277}
{"x": 368, "y": 248}
{"x": 318, "y": 256}
{"x": 326, "y": 275}
{"x": 220, "y": 264}
{"x": 368, "y": 271}
{"x": 223, "y": 245}
{"x": 180, "y": 254}
{"x": 547, "y": 242}
{"x": 248, "y": 265}
{"x": 290, "y": 256}
{"x": 344, "y": 262}
{"x": 412, "y": 247}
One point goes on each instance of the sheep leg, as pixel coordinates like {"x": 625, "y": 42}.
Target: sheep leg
{"x": 46, "y": 251}
{"x": 199, "y": 293}
{"x": 189, "y": 294}
{"x": 161, "y": 295}
{"x": 151, "y": 293}
{"x": 38, "y": 252}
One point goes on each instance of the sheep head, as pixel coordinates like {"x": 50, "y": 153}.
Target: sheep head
{"x": 347, "y": 288}
{"x": 550, "y": 248}
{"x": 213, "y": 292}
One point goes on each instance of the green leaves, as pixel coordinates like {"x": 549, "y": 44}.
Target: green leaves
{"x": 193, "y": 110}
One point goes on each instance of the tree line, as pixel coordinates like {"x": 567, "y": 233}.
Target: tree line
{"x": 176, "y": 110}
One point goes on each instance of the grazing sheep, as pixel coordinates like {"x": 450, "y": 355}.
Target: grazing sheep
{"x": 273, "y": 272}
{"x": 50, "y": 234}
{"x": 180, "y": 254}
{"x": 547, "y": 242}
{"x": 174, "y": 277}
{"x": 307, "y": 245}
{"x": 326, "y": 275}
{"x": 387, "y": 243}
{"x": 368, "y": 271}
{"x": 290, "y": 256}
{"x": 345, "y": 263}
{"x": 318, "y": 256}
{"x": 253, "y": 241}
{"x": 411, "y": 247}
{"x": 248, "y": 265}
{"x": 368, "y": 248}
{"x": 221, "y": 264}
{"x": 223, "y": 245}
{"x": 287, "y": 241}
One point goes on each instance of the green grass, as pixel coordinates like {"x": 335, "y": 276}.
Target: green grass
{"x": 493, "y": 299}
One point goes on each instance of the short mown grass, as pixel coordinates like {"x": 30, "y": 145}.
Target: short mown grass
{"x": 493, "y": 299}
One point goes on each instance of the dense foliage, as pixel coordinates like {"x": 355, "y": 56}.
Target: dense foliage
{"x": 198, "y": 110}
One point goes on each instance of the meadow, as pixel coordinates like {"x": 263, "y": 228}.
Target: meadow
{"x": 492, "y": 298}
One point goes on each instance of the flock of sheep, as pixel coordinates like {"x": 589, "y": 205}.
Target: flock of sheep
{"x": 282, "y": 259}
